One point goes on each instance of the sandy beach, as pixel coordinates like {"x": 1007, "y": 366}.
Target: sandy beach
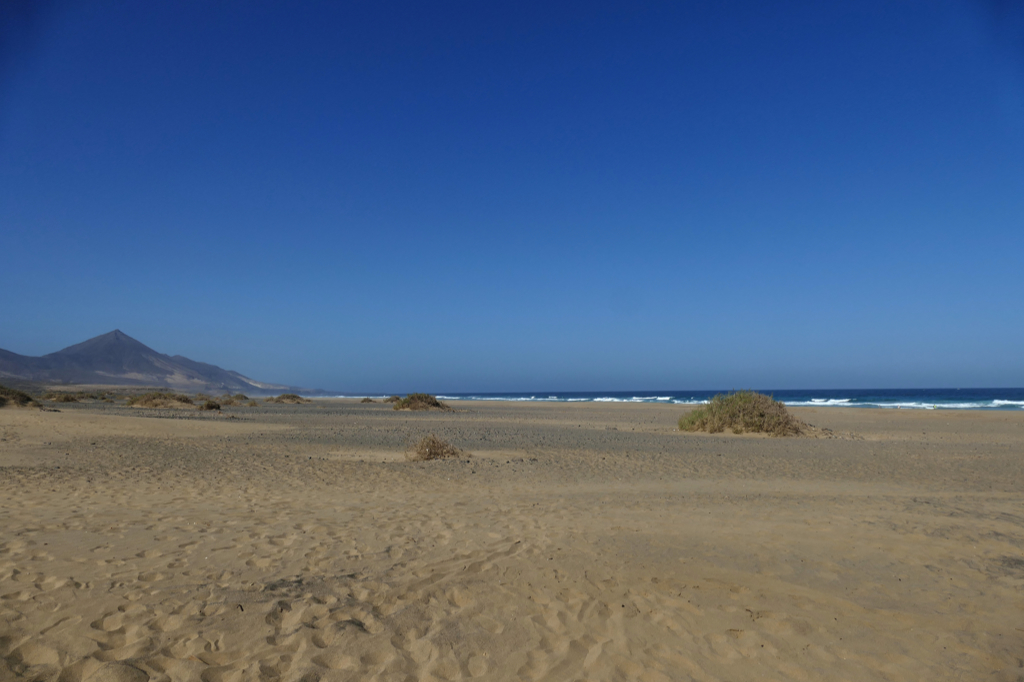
{"x": 575, "y": 542}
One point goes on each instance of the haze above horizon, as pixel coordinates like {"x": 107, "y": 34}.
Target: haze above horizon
{"x": 476, "y": 197}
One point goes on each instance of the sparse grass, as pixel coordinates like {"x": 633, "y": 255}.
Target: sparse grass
{"x": 367, "y": 400}
{"x": 742, "y": 412}
{"x": 79, "y": 396}
{"x": 159, "y": 399}
{"x": 431, "y": 447}
{"x": 210, "y": 405}
{"x": 12, "y": 396}
{"x": 392, "y": 399}
{"x": 252, "y": 403}
{"x": 203, "y": 396}
{"x": 420, "y": 401}
{"x": 288, "y": 399}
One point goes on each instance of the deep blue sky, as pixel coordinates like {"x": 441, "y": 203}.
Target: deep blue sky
{"x": 474, "y": 196}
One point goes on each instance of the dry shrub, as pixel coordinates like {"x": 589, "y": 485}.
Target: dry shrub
{"x": 420, "y": 401}
{"x": 228, "y": 402}
{"x": 288, "y": 399}
{"x": 210, "y": 405}
{"x": 742, "y": 412}
{"x": 79, "y": 396}
{"x": 12, "y": 396}
{"x": 160, "y": 399}
{"x": 367, "y": 400}
{"x": 252, "y": 403}
{"x": 392, "y": 399}
{"x": 431, "y": 447}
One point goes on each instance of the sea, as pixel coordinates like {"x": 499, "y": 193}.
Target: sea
{"x": 889, "y": 398}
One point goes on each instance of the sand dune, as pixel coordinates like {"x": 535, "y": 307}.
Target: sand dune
{"x": 589, "y": 542}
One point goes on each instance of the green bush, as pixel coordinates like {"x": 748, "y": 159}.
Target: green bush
{"x": 742, "y": 412}
{"x": 420, "y": 401}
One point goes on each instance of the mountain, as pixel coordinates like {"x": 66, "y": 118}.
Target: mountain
{"x": 118, "y": 359}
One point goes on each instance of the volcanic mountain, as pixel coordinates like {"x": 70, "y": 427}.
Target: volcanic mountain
{"x": 118, "y": 359}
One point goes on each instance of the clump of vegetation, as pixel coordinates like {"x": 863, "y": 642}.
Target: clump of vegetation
{"x": 392, "y": 399}
{"x": 367, "y": 400}
{"x": 288, "y": 399}
{"x": 431, "y": 447}
{"x": 159, "y": 399}
{"x": 12, "y": 396}
{"x": 742, "y": 412}
{"x": 252, "y": 403}
{"x": 210, "y": 405}
{"x": 78, "y": 396}
{"x": 420, "y": 401}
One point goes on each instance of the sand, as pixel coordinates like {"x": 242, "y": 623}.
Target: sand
{"x": 578, "y": 542}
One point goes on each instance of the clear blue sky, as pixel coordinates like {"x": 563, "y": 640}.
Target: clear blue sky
{"x": 474, "y": 196}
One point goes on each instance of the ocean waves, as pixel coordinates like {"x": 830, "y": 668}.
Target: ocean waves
{"x": 896, "y": 399}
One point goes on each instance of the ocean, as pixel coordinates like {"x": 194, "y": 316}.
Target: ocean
{"x": 892, "y": 398}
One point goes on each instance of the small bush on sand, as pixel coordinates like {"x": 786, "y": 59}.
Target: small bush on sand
{"x": 742, "y": 412}
{"x": 210, "y": 405}
{"x": 392, "y": 399}
{"x": 159, "y": 399}
{"x": 64, "y": 398}
{"x": 367, "y": 400}
{"x": 12, "y": 396}
{"x": 420, "y": 401}
{"x": 289, "y": 399}
{"x": 431, "y": 447}
{"x": 252, "y": 403}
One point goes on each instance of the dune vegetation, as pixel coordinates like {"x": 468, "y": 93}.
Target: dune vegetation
{"x": 420, "y": 401}
{"x": 742, "y": 412}
{"x": 12, "y": 396}
{"x": 160, "y": 399}
{"x": 431, "y": 447}
{"x": 79, "y": 396}
{"x": 288, "y": 399}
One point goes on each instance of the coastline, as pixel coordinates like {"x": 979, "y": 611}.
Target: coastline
{"x": 576, "y": 540}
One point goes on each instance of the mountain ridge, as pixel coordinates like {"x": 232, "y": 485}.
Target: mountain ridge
{"x": 115, "y": 358}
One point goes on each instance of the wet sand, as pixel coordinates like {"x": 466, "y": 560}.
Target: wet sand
{"x": 576, "y": 542}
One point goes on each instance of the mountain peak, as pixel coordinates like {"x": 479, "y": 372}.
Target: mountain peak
{"x": 116, "y": 358}
{"x": 109, "y": 342}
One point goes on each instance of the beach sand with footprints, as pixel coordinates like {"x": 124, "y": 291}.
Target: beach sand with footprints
{"x": 573, "y": 542}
